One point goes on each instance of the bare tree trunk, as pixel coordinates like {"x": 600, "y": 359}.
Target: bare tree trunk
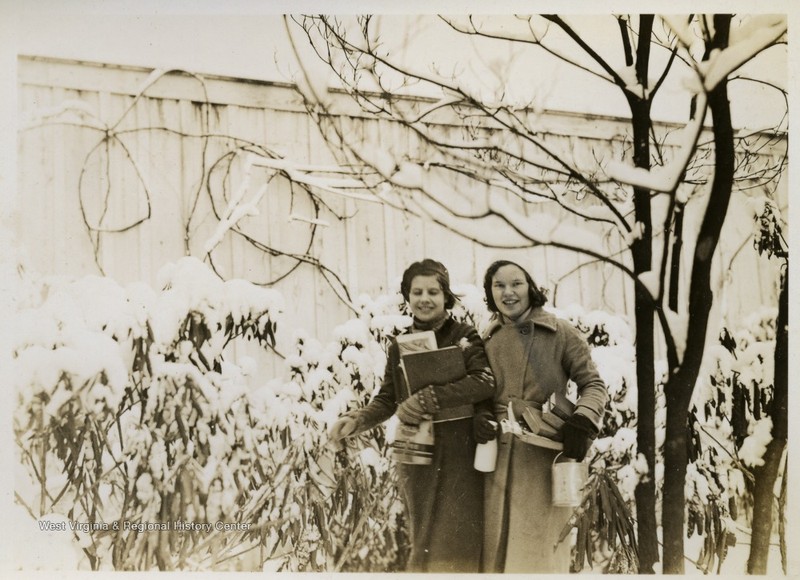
{"x": 765, "y": 475}
{"x": 646, "y": 523}
{"x": 679, "y": 387}
{"x": 642, "y": 253}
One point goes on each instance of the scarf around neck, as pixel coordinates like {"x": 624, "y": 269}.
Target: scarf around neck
{"x": 434, "y": 325}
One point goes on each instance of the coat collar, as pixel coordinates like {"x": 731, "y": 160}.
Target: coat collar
{"x": 538, "y": 317}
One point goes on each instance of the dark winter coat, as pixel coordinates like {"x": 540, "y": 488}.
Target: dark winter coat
{"x": 443, "y": 500}
{"x": 531, "y": 359}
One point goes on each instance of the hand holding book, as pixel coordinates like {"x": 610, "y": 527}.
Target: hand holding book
{"x": 413, "y": 410}
{"x": 422, "y": 365}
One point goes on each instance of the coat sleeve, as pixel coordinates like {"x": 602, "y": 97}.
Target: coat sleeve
{"x": 579, "y": 366}
{"x": 477, "y": 385}
{"x": 384, "y": 404}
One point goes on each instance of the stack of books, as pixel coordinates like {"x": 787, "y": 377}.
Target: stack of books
{"x": 548, "y": 421}
{"x": 424, "y": 364}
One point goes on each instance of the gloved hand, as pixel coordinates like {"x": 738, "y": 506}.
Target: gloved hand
{"x": 482, "y": 426}
{"x": 345, "y": 426}
{"x": 578, "y": 433}
{"x": 412, "y": 410}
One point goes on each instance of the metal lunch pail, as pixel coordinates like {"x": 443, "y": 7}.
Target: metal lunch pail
{"x": 569, "y": 476}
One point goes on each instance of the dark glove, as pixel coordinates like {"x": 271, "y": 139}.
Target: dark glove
{"x": 412, "y": 410}
{"x": 578, "y": 433}
{"x": 482, "y": 426}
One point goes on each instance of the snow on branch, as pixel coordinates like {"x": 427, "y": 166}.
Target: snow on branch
{"x": 755, "y": 35}
{"x": 678, "y": 328}
{"x": 682, "y": 28}
{"x": 305, "y": 175}
{"x": 544, "y": 228}
{"x": 665, "y": 179}
{"x": 237, "y": 209}
{"x": 652, "y": 282}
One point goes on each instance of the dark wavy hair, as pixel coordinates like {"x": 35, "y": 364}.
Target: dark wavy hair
{"x": 535, "y": 294}
{"x": 428, "y": 267}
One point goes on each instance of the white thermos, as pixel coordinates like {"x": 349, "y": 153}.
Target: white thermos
{"x": 486, "y": 454}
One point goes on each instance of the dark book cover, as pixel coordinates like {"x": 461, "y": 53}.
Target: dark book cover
{"x": 553, "y": 420}
{"x": 560, "y": 405}
{"x": 433, "y": 367}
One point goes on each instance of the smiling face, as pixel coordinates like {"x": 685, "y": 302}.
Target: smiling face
{"x": 510, "y": 291}
{"x": 426, "y": 298}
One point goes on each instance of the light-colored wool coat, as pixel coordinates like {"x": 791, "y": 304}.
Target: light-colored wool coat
{"x": 531, "y": 359}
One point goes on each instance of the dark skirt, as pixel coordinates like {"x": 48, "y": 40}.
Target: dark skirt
{"x": 444, "y": 503}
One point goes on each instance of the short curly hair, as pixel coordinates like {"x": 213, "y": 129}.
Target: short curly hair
{"x": 536, "y": 296}
{"x": 428, "y": 267}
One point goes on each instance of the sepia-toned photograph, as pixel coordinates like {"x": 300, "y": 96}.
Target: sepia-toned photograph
{"x": 387, "y": 289}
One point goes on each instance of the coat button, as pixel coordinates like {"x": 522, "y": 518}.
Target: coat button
{"x": 523, "y": 330}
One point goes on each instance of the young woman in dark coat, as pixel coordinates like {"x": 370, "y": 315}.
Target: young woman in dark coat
{"x": 443, "y": 500}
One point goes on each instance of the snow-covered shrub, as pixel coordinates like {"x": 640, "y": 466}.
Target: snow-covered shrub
{"x": 354, "y": 509}
{"x": 128, "y": 423}
{"x": 129, "y": 418}
{"x": 730, "y": 428}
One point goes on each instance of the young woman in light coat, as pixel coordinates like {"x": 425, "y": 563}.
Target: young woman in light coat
{"x": 532, "y": 354}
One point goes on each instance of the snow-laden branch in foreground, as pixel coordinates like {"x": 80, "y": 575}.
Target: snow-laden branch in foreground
{"x": 546, "y": 229}
{"x": 311, "y": 83}
{"x": 665, "y": 179}
{"x": 755, "y": 35}
{"x": 682, "y": 27}
{"x": 237, "y": 208}
{"x": 745, "y": 42}
{"x": 487, "y": 230}
{"x": 411, "y": 175}
{"x": 302, "y": 174}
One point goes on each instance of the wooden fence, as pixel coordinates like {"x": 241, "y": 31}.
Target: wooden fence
{"x": 157, "y": 190}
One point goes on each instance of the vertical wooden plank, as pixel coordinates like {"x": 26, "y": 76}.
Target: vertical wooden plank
{"x": 374, "y": 274}
{"x": 56, "y": 209}
{"x": 68, "y": 232}
{"x": 146, "y": 143}
{"x": 33, "y": 223}
{"x": 165, "y": 227}
{"x": 118, "y": 205}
